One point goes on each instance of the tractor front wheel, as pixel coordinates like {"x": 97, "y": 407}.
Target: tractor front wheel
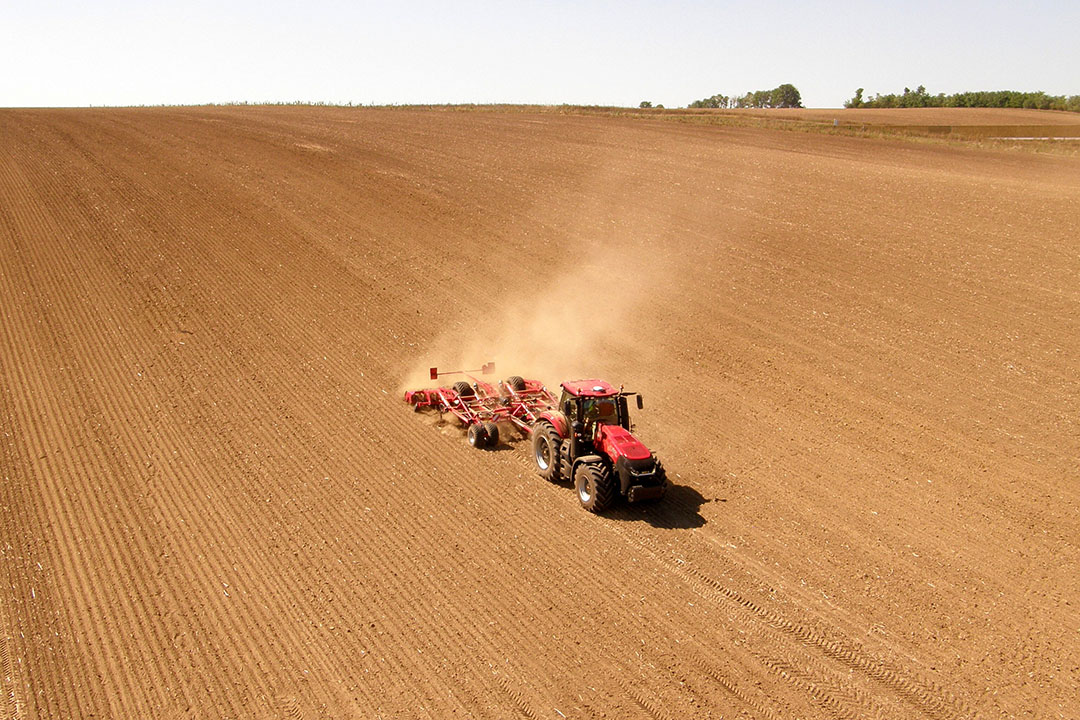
{"x": 594, "y": 486}
{"x": 545, "y": 446}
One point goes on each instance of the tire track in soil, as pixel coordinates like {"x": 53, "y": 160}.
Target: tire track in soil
{"x": 923, "y": 695}
{"x": 655, "y": 710}
{"x": 818, "y": 681}
{"x": 289, "y": 707}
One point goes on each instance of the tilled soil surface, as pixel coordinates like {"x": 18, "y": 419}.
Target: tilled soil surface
{"x": 859, "y": 364}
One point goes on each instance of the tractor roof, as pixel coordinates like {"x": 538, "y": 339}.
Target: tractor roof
{"x": 590, "y": 388}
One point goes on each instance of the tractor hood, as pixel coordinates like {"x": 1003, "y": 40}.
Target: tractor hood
{"x": 618, "y": 442}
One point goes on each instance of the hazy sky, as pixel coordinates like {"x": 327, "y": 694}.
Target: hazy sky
{"x": 123, "y": 52}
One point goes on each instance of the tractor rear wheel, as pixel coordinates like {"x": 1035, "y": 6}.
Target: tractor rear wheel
{"x": 545, "y": 447}
{"x": 516, "y": 383}
{"x": 594, "y": 486}
{"x": 491, "y": 430}
{"x": 463, "y": 388}
{"x": 477, "y": 436}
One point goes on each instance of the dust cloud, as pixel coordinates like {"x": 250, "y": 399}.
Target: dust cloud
{"x": 566, "y": 327}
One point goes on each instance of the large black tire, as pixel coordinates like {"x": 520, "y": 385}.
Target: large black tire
{"x": 463, "y": 389}
{"x": 516, "y": 383}
{"x": 595, "y": 486}
{"x": 565, "y": 465}
{"x": 545, "y": 449}
{"x": 661, "y": 474}
{"x": 477, "y": 436}
{"x": 491, "y": 430}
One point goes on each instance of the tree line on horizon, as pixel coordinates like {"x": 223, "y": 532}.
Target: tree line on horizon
{"x": 920, "y": 98}
{"x": 784, "y": 96}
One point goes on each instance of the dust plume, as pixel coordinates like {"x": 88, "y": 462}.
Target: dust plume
{"x": 566, "y": 327}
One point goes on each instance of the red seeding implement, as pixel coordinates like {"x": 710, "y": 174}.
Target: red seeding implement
{"x": 584, "y": 436}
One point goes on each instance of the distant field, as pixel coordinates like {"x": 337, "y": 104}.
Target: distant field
{"x": 953, "y": 123}
{"x": 919, "y": 116}
{"x": 943, "y": 122}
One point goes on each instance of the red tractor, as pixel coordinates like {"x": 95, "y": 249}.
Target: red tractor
{"x": 587, "y": 439}
{"x": 584, "y": 436}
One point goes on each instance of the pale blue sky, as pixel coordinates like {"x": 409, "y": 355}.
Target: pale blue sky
{"x": 122, "y": 52}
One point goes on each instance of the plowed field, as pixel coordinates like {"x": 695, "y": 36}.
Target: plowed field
{"x": 859, "y": 364}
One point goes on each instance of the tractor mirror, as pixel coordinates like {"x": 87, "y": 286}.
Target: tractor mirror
{"x": 640, "y": 403}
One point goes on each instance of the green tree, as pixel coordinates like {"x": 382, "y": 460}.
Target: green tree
{"x": 919, "y": 97}
{"x": 645, "y": 104}
{"x": 716, "y": 101}
{"x": 786, "y": 96}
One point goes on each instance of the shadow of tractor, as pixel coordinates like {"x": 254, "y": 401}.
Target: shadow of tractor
{"x": 679, "y": 510}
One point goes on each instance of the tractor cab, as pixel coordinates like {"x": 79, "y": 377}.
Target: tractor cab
{"x": 590, "y": 402}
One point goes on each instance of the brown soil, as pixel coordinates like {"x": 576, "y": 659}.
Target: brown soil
{"x": 858, "y": 359}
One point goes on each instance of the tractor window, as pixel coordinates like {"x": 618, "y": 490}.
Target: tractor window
{"x": 601, "y": 409}
{"x": 569, "y": 407}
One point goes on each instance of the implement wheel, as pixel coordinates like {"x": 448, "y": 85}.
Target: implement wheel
{"x": 595, "y": 487}
{"x": 545, "y": 448}
{"x": 463, "y": 389}
{"x": 491, "y": 431}
{"x": 477, "y": 436}
{"x": 515, "y": 383}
